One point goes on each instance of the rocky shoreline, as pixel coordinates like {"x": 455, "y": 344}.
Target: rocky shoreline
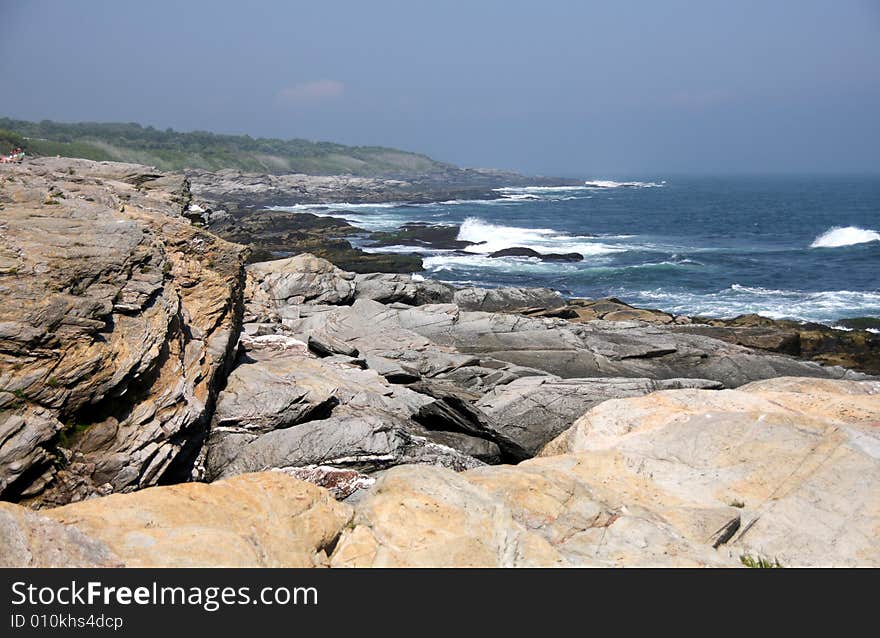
{"x": 169, "y": 398}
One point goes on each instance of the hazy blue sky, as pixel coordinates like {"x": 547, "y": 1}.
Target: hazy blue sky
{"x": 553, "y": 87}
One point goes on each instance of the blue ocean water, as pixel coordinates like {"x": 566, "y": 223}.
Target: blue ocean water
{"x": 785, "y": 247}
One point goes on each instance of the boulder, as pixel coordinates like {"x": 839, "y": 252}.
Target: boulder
{"x": 303, "y": 278}
{"x": 33, "y": 540}
{"x": 531, "y": 515}
{"x": 506, "y": 299}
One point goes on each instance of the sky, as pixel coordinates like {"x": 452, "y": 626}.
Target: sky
{"x": 550, "y": 87}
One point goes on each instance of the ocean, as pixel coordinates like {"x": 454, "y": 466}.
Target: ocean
{"x": 805, "y": 248}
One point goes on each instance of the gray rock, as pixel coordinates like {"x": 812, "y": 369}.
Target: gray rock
{"x": 506, "y": 299}
{"x": 303, "y": 278}
{"x": 534, "y": 410}
{"x": 366, "y": 441}
{"x": 395, "y": 288}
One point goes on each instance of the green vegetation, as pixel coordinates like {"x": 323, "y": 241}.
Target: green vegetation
{"x": 172, "y": 150}
{"x": 10, "y": 141}
{"x": 759, "y": 562}
{"x": 70, "y": 433}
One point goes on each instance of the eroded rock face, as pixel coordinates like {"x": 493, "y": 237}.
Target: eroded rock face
{"x": 118, "y": 316}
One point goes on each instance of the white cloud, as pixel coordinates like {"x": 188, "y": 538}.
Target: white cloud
{"x": 309, "y": 92}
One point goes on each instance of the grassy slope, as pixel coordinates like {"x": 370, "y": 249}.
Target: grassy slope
{"x": 172, "y": 150}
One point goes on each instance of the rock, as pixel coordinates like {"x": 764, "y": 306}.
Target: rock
{"x": 366, "y": 441}
{"x": 610, "y": 309}
{"x": 327, "y": 346}
{"x": 439, "y": 237}
{"x": 340, "y": 483}
{"x": 531, "y": 515}
{"x": 534, "y": 410}
{"x": 389, "y": 288}
{"x": 857, "y": 349}
{"x": 860, "y": 323}
{"x": 520, "y": 251}
{"x": 416, "y": 517}
{"x": 34, "y": 540}
{"x": 506, "y": 299}
{"x": 259, "y": 520}
{"x": 273, "y": 234}
{"x": 435, "y": 341}
{"x": 799, "y": 457}
{"x": 119, "y": 319}
{"x": 304, "y": 278}
{"x": 274, "y": 388}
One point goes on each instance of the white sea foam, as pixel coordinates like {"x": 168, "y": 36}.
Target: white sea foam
{"x": 607, "y": 183}
{"x": 489, "y": 238}
{"x": 539, "y": 189}
{"x": 823, "y": 306}
{"x": 844, "y": 236}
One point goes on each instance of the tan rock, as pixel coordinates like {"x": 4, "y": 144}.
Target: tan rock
{"x": 801, "y": 458}
{"x": 422, "y": 516}
{"x": 253, "y": 520}
{"x": 118, "y": 315}
{"x": 33, "y": 540}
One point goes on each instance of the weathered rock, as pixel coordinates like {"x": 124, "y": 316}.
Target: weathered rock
{"x": 366, "y": 441}
{"x": 437, "y": 236}
{"x": 439, "y": 339}
{"x": 118, "y": 318}
{"x": 340, "y": 483}
{"x": 389, "y": 288}
{"x": 416, "y": 517}
{"x": 529, "y": 515}
{"x": 259, "y": 520}
{"x": 857, "y": 349}
{"x": 798, "y": 457}
{"x": 34, "y": 540}
{"x": 506, "y": 299}
{"x": 610, "y": 309}
{"x": 534, "y": 410}
{"x": 304, "y": 278}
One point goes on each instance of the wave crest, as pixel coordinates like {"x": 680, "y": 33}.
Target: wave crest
{"x": 839, "y": 236}
{"x": 491, "y": 237}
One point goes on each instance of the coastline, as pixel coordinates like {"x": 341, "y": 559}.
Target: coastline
{"x": 150, "y": 364}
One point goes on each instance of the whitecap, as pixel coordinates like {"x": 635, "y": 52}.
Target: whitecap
{"x": 607, "y": 183}
{"x": 489, "y": 238}
{"x": 840, "y": 236}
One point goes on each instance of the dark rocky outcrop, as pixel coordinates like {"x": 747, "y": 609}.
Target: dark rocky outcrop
{"x": 273, "y": 234}
{"x": 421, "y": 234}
{"x": 858, "y": 348}
{"x": 519, "y": 251}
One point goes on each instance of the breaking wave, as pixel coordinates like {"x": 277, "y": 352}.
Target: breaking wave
{"x": 491, "y": 237}
{"x": 840, "y": 236}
